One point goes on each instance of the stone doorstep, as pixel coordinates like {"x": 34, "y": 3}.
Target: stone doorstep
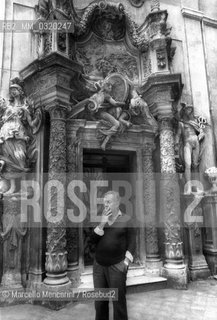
{"x": 137, "y": 280}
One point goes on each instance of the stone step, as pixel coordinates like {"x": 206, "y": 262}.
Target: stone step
{"x": 137, "y": 280}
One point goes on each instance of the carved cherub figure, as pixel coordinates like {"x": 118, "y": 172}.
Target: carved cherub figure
{"x": 189, "y": 136}
{"x": 108, "y": 109}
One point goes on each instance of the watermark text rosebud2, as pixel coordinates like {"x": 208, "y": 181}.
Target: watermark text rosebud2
{"x": 189, "y": 218}
{"x": 80, "y": 200}
{"x": 54, "y": 193}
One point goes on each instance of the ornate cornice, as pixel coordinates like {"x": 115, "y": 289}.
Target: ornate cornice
{"x": 192, "y": 14}
{"x": 48, "y": 61}
{"x": 172, "y": 80}
{"x": 198, "y": 15}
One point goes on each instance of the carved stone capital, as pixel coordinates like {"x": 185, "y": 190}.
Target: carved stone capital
{"x": 148, "y": 149}
{"x": 160, "y": 91}
{"x": 57, "y": 112}
{"x": 174, "y": 251}
{"x": 56, "y": 265}
{"x": 165, "y": 124}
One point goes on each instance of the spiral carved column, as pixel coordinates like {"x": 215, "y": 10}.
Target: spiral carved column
{"x": 56, "y": 254}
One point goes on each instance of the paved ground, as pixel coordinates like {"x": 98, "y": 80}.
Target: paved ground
{"x": 197, "y": 303}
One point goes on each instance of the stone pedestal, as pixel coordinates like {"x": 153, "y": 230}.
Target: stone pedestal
{"x": 198, "y": 267}
{"x": 210, "y": 223}
{"x": 153, "y": 261}
{"x": 160, "y": 91}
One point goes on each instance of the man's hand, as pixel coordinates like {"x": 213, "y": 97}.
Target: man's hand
{"x": 104, "y": 219}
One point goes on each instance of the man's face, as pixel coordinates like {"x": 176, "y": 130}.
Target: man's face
{"x": 14, "y": 92}
{"x": 110, "y": 202}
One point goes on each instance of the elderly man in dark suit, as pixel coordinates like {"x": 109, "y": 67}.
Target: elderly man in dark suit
{"x": 115, "y": 246}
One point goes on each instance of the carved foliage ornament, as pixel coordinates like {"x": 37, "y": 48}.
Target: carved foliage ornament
{"x": 167, "y": 152}
{"x": 122, "y": 20}
{"x": 161, "y": 59}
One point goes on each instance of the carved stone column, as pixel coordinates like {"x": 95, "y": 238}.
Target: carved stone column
{"x": 56, "y": 255}
{"x": 153, "y": 262}
{"x": 174, "y": 268}
{"x": 72, "y": 231}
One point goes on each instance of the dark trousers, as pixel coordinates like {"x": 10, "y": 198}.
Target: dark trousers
{"x": 110, "y": 277}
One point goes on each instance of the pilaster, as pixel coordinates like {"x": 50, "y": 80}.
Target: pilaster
{"x": 153, "y": 261}
{"x": 174, "y": 268}
{"x": 210, "y": 237}
{"x": 72, "y": 231}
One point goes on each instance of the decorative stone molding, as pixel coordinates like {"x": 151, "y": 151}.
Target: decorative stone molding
{"x": 174, "y": 250}
{"x": 155, "y": 5}
{"x": 167, "y": 147}
{"x": 56, "y": 262}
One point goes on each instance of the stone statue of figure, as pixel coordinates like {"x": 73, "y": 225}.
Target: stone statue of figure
{"x": 11, "y": 235}
{"x": 189, "y": 136}
{"x": 115, "y": 115}
{"x": 108, "y": 109}
{"x": 17, "y": 128}
{"x": 138, "y": 107}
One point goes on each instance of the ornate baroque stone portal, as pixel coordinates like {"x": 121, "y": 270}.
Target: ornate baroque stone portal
{"x": 84, "y": 70}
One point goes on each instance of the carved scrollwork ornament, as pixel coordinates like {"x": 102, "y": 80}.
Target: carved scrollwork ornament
{"x": 137, "y": 3}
